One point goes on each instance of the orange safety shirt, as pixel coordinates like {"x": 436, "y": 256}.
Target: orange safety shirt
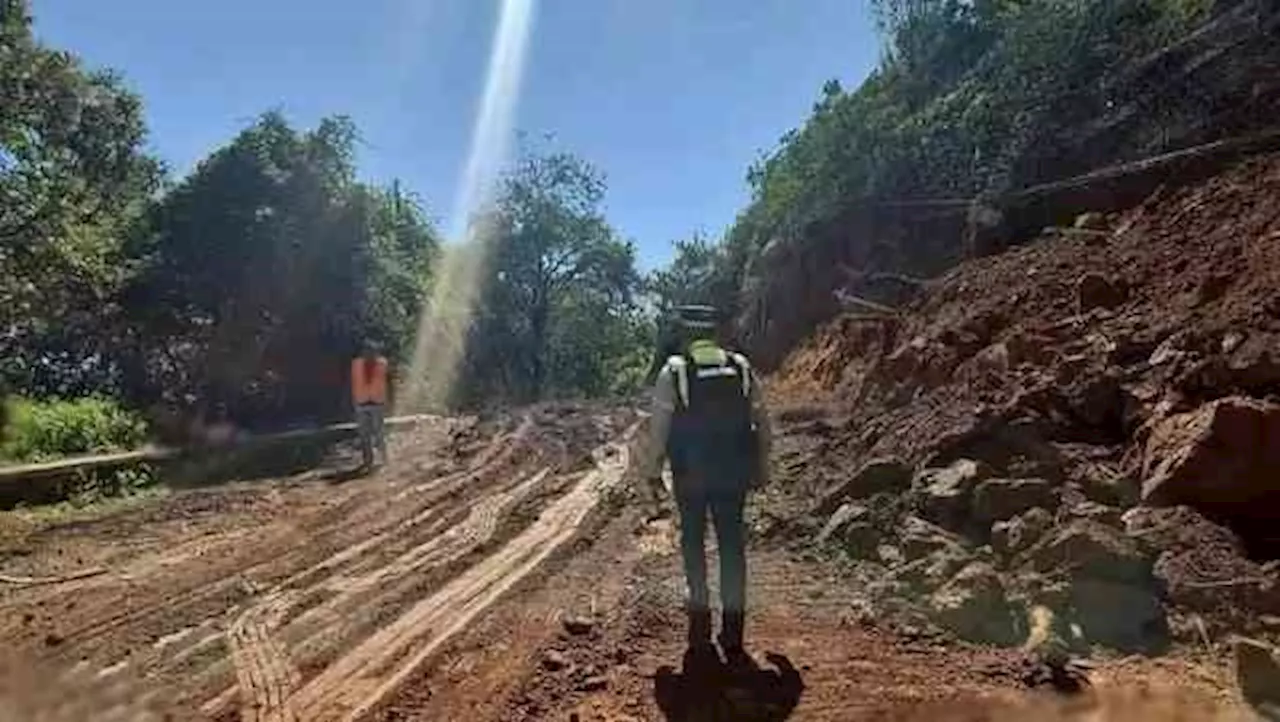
{"x": 369, "y": 380}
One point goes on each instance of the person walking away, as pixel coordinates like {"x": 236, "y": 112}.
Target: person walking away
{"x": 369, "y": 397}
{"x": 709, "y": 421}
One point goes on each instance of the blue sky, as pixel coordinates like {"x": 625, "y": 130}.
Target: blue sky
{"x": 672, "y": 99}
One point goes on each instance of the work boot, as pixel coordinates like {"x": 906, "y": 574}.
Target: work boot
{"x": 701, "y": 656}
{"x": 731, "y": 625}
{"x": 699, "y": 628}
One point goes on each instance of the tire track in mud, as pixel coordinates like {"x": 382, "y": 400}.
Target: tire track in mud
{"x": 360, "y": 680}
{"x": 356, "y": 526}
{"x": 264, "y": 673}
{"x": 365, "y": 591}
{"x": 280, "y": 553}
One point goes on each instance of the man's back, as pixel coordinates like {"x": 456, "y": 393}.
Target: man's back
{"x": 369, "y": 380}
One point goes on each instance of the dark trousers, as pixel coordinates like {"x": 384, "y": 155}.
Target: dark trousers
{"x": 725, "y": 509}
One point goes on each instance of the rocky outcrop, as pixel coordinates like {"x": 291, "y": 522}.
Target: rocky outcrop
{"x": 1258, "y": 675}
{"x": 1000, "y": 499}
{"x": 1016, "y": 535}
{"x": 973, "y": 605}
{"x": 1222, "y": 459}
{"x": 944, "y": 496}
{"x": 1103, "y": 583}
{"x": 875, "y": 477}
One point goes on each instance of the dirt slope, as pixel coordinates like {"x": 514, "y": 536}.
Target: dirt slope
{"x": 1088, "y": 333}
{"x": 1082, "y": 362}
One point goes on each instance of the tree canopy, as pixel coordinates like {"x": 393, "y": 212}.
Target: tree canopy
{"x": 267, "y": 268}
{"x": 558, "y": 313}
{"x": 73, "y": 180}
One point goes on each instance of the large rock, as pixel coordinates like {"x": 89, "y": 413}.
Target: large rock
{"x": 1258, "y": 675}
{"x": 875, "y": 477}
{"x": 934, "y": 569}
{"x": 842, "y": 518}
{"x": 920, "y": 538}
{"x": 1101, "y": 513}
{"x": 853, "y": 528}
{"x": 1016, "y": 535}
{"x": 1088, "y": 549}
{"x": 973, "y": 606}
{"x": 944, "y": 496}
{"x": 1107, "y": 586}
{"x": 1123, "y": 616}
{"x": 999, "y": 499}
{"x": 1223, "y": 459}
{"x": 1109, "y": 486}
{"x": 1093, "y": 290}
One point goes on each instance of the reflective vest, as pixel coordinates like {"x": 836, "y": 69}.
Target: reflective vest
{"x": 712, "y": 437}
{"x": 369, "y": 380}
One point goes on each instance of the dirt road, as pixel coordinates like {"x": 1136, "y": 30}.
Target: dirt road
{"x": 492, "y": 571}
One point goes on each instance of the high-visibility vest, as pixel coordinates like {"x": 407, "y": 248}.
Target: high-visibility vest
{"x": 369, "y": 380}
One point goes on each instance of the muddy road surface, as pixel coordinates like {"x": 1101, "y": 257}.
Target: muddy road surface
{"x": 496, "y": 569}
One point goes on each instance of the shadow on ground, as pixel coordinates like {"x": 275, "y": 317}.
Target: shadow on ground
{"x": 709, "y": 690}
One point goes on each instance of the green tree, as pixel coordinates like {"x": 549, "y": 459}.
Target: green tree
{"x": 73, "y": 179}
{"x": 558, "y": 314}
{"x": 267, "y": 267}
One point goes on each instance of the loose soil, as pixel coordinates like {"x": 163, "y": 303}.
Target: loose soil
{"x": 495, "y": 569}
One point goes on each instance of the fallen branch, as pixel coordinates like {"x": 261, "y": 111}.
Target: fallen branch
{"x": 36, "y": 581}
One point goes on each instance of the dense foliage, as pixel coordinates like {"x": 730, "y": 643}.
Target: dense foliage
{"x": 970, "y": 99}
{"x": 558, "y": 312}
{"x": 73, "y": 180}
{"x": 265, "y": 270}
{"x": 43, "y": 430}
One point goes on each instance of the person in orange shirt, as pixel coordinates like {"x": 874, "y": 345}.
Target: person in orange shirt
{"x": 369, "y": 397}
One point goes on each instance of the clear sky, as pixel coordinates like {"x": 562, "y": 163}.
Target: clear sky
{"x": 672, "y": 99}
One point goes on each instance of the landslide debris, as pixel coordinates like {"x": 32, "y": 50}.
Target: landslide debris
{"x": 1087, "y": 425}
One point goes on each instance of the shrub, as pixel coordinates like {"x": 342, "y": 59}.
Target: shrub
{"x": 45, "y": 430}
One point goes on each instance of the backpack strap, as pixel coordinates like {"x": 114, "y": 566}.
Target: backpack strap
{"x": 744, "y": 368}
{"x": 679, "y": 369}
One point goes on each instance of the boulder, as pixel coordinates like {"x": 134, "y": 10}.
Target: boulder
{"x": 861, "y": 538}
{"x": 974, "y": 607}
{"x": 1091, "y": 221}
{"x": 1222, "y": 459}
{"x": 1015, "y": 535}
{"x": 999, "y": 499}
{"x": 1101, "y": 513}
{"x": 1124, "y": 616}
{"x": 1095, "y": 290}
{"x": 842, "y": 518}
{"x": 920, "y": 538}
{"x": 876, "y": 476}
{"x": 1258, "y": 675}
{"x": 1088, "y": 549}
{"x": 1107, "y": 486}
{"x": 943, "y": 496}
{"x": 934, "y": 569}
{"x": 890, "y": 555}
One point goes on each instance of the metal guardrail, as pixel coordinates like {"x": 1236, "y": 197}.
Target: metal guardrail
{"x": 19, "y": 472}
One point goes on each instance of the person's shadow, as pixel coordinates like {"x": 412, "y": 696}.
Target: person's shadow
{"x": 709, "y": 690}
